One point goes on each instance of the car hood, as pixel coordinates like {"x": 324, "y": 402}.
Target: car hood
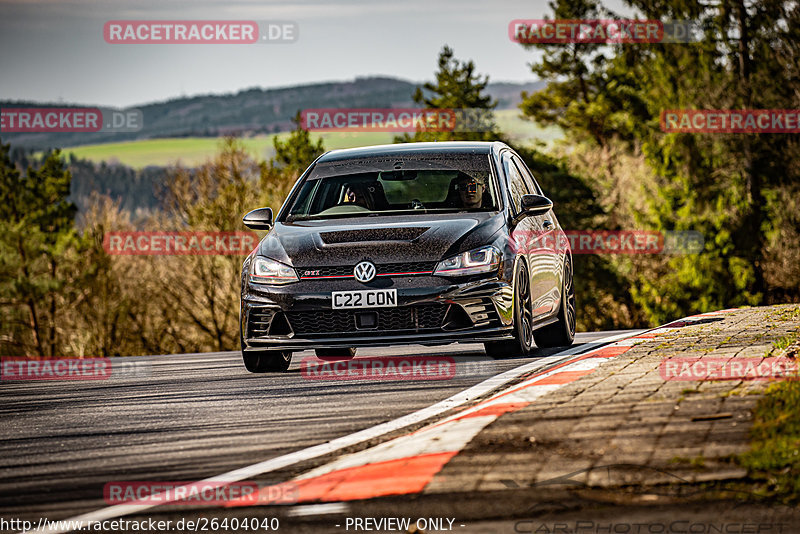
{"x": 312, "y": 244}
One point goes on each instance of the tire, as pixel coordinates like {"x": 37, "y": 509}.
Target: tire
{"x": 523, "y": 320}
{"x": 562, "y": 332}
{"x": 336, "y": 354}
{"x": 266, "y": 361}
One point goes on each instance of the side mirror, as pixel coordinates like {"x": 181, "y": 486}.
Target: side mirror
{"x": 260, "y": 219}
{"x": 536, "y": 204}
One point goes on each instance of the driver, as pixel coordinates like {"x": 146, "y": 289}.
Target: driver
{"x": 470, "y": 190}
{"x": 356, "y": 194}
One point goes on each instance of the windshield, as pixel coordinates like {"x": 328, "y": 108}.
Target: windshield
{"x": 393, "y": 186}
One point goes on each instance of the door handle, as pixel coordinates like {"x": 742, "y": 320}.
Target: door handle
{"x": 547, "y": 225}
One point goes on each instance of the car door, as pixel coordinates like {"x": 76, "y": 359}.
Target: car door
{"x": 550, "y": 247}
{"x": 525, "y": 235}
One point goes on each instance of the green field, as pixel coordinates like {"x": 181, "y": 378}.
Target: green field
{"x": 191, "y": 151}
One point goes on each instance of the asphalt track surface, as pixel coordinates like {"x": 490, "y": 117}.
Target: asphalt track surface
{"x": 190, "y": 417}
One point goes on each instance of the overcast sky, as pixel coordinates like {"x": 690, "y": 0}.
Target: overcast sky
{"x": 53, "y": 50}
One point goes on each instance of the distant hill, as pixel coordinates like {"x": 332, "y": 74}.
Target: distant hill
{"x": 249, "y": 112}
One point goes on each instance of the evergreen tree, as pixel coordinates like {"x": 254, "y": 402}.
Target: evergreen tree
{"x": 298, "y": 151}
{"x": 292, "y": 157}
{"x": 37, "y": 241}
{"x": 582, "y": 95}
{"x": 460, "y": 89}
{"x": 730, "y": 187}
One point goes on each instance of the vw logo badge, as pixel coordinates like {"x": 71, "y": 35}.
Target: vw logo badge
{"x": 364, "y": 272}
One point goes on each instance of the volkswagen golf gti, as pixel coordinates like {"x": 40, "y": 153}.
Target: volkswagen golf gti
{"x": 423, "y": 243}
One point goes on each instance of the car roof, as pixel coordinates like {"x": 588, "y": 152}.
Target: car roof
{"x": 400, "y": 149}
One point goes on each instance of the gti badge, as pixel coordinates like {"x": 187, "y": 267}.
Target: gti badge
{"x": 364, "y": 272}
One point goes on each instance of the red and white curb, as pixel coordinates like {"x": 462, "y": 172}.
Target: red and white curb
{"x": 408, "y": 463}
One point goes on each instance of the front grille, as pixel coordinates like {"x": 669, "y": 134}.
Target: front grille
{"x": 346, "y": 271}
{"x": 406, "y": 267}
{"x": 402, "y": 318}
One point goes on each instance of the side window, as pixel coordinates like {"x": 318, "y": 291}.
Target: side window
{"x": 516, "y": 185}
{"x": 533, "y": 186}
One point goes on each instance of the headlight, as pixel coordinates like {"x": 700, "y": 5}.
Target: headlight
{"x": 267, "y": 271}
{"x": 480, "y": 260}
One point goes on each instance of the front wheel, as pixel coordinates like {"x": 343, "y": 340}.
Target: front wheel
{"x": 523, "y": 320}
{"x": 266, "y": 361}
{"x": 562, "y": 332}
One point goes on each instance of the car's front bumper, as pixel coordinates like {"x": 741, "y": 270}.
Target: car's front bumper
{"x": 431, "y": 310}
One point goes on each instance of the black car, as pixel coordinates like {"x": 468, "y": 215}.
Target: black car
{"x": 427, "y": 243}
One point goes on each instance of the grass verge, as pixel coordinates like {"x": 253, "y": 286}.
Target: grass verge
{"x": 773, "y": 460}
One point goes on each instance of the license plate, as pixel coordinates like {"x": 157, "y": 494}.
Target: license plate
{"x": 370, "y": 298}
